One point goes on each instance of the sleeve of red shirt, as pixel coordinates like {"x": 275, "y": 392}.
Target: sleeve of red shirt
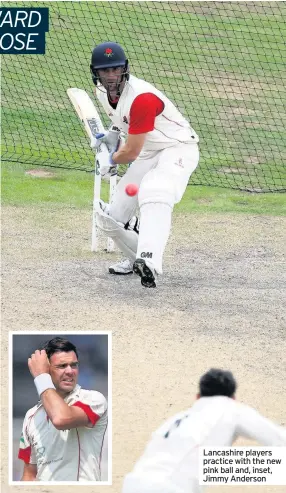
{"x": 143, "y": 112}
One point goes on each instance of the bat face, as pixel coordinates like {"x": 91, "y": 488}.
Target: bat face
{"x": 86, "y": 111}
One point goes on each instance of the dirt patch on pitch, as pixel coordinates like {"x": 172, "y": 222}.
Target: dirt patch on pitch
{"x": 219, "y": 303}
{"x": 40, "y": 173}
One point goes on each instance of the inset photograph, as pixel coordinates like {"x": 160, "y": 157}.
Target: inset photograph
{"x": 60, "y": 387}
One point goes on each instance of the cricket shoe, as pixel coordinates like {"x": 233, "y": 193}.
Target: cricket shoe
{"x": 146, "y": 273}
{"x": 122, "y": 268}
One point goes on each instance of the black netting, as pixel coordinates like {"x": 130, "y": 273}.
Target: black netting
{"x": 223, "y": 64}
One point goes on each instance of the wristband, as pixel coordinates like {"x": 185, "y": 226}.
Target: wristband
{"x": 43, "y": 382}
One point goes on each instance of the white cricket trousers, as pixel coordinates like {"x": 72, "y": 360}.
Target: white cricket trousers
{"x": 162, "y": 179}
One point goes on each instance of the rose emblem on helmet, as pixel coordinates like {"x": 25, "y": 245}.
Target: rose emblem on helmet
{"x": 108, "y": 52}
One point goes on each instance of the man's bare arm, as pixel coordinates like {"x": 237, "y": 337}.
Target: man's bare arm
{"x": 29, "y": 473}
{"x": 130, "y": 150}
{"x": 62, "y": 416}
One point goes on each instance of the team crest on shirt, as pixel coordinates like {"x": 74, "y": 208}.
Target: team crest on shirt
{"x": 125, "y": 120}
{"x": 108, "y": 52}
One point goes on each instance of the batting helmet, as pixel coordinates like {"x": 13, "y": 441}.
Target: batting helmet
{"x": 108, "y": 55}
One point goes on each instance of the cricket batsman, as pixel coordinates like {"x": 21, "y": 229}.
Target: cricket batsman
{"x": 163, "y": 151}
{"x": 63, "y": 434}
{"x": 170, "y": 463}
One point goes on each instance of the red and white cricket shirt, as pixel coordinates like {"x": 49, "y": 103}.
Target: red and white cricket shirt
{"x": 66, "y": 455}
{"x": 169, "y": 127}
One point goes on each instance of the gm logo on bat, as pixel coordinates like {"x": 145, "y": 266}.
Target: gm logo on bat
{"x": 23, "y": 30}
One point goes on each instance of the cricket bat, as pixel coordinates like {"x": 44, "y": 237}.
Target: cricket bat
{"x": 91, "y": 120}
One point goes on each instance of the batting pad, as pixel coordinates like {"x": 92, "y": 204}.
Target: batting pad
{"x": 125, "y": 239}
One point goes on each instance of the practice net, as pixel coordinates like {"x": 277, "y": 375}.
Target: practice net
{"x": 221, "y": 63}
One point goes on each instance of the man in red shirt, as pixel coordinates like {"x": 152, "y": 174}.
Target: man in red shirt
{"x": 163, "y": 151}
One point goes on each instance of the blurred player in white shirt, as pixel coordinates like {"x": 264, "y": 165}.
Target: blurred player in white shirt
{"x": 170, "y": 463}
{"x": 162, "y": 148}
{"x": 63, "y": 434}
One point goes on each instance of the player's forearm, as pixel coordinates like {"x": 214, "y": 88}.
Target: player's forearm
{"x": 29, "y": 473}
{"x": 130, "y": 150}
{"x": 56, "y": 408}
{"x": 28, "y": 477}
{"x": 125, "y": 155}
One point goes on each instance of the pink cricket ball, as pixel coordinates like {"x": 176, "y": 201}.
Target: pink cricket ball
{"x": 131, "y": 189}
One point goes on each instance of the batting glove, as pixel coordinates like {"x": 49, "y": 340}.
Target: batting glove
{"x": 111, "y": 138}
{"x": 97, "y": 140}
{"x": 108, "y": 171}
{"x": 113, "y": 151}
{"x": 111, "y": 158}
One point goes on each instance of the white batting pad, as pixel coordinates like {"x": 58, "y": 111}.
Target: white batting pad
{"x": 125, "y": 239}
